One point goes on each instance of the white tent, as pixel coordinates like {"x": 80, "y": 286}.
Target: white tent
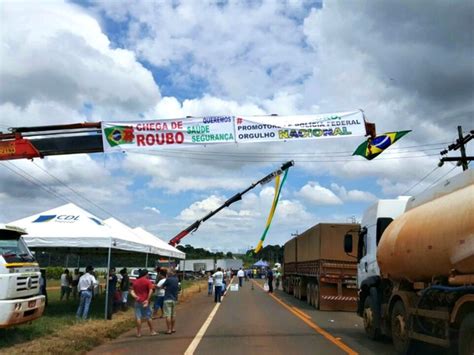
{"x": 156, "y": 245}
{"x": 70, "y": 226}
{"x": 150, "y": 238}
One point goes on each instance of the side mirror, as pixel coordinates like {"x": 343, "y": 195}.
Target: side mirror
{"x": 348, "y": 243}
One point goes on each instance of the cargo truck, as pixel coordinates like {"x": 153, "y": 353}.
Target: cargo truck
{"x": 20, "y": 301}
{"x": 316, "y": 268}
{"x": 416, "y": 267}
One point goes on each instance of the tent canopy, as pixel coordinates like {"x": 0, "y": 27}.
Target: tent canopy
{"x": 261, "y": 263}
{"x": 70, "y": 226}
{"x": 155, "y": 245}
{"x": 160, "y": 244}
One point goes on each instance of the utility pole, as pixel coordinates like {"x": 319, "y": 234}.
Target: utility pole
{"x": 461, "y": 145}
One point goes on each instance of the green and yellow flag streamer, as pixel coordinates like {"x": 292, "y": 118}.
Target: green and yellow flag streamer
{"x": 278, "y": 188}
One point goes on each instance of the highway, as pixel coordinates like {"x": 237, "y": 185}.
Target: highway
{"x": 254, "y": 322}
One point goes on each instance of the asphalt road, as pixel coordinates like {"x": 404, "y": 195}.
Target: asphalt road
{"x": 251, "y": 321}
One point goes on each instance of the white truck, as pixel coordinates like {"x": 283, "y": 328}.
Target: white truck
{"x": 20, "y": 299}
{"x": 416, "y": 267}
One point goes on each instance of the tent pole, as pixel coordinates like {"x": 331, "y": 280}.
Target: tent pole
{"x": 146, "y": 261}
{"x": 107, "y": 280}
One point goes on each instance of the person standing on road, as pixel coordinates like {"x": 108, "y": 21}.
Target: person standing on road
{"x": 171, "y": 286}
{"x": 160, "y": 294}
{"x": 270, "y": 280}
{"x": 86, "y": 285}
{"x": 210, "y": 283}
{"x": 218, "y": 280}
{"x": 124, "y": 288}
{"x": 142, "y": 289}
{"x": 65, "y": 285}
{"x": 241, "y": 275}
{"x": 277, "y": 279}
{"x": 224, "y": 282}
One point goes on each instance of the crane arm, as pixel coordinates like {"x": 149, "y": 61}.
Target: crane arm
{"x": 237, "y": 197}
{"x": 40, "y": 141}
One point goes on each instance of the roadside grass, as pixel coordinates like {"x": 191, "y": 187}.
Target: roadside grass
{"x": 58, "y": 331}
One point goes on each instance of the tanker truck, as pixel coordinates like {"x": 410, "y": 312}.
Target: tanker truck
{"x": 415, "y": 271}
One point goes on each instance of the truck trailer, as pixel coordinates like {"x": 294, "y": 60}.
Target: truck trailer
{"x": 316, "y": 268}
{"x": 196, "y": 265}
{"x": 416, "y": 267}
{"x": 230, "y": 264}
{"x": 20, "y": 299}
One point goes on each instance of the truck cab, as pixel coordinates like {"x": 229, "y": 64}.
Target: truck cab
{"x": 374, "y": 222}
{"x": 20, "y": 299}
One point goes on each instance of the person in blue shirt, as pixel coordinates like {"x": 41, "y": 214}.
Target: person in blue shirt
{"x": 171, "y": 286}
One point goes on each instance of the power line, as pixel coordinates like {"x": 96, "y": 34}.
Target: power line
{"x": 177, "y": 154}
{"x": 347, "y": 152}
{"x": 419, "y": 182}
{"x": 442, "y": 177}
{"x": 32, "y": 181}
{"x": 284, "y": 154}
{"x": 74, "y": 191}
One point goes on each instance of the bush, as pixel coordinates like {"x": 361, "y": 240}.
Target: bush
{"x": 54, "y": 272}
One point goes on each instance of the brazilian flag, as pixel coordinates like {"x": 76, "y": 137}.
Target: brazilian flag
{"x": 118, "y": 135}
{"x": 371, "y": 148}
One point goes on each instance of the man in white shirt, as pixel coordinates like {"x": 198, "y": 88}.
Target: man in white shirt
{"x": 218, "y": 279}
{"x": 160, "y": 294}
{"x": 210, "y": 283}
{"x": 240, "y": 275}
{"x": 65, "y": 285}
{"x": 86, "y": 285}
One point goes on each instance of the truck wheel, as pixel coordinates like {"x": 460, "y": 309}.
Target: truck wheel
{"x": 309, "y": 288}
{"x": 369, "y": 319}
{"x": 399, "y": 325}
{"x": 316, "y": 302}
{"x": 466, "y": 335}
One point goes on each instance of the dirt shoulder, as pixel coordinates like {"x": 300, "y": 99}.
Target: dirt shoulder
{"x": 85, "y": 335}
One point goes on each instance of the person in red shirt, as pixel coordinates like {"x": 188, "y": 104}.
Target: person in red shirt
{"x": 142, "y": 290}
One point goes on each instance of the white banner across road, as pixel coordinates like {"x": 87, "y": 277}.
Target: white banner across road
{"x": 156, "y": 134}
{"x": 251, "y": 129}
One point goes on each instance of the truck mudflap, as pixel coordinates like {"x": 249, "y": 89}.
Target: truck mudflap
{"x": 15, "y": 312}
{"x": 337, "y": 298}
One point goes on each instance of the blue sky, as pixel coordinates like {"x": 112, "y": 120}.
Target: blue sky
{"x": 68, "y": 62}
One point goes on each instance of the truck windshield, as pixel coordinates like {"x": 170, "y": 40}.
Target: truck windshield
{"x": 13, "y": 248}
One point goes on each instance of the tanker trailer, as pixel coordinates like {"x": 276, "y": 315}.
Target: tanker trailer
{"x": 416, "y": 267}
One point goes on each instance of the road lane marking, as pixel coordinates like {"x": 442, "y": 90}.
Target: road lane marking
{"x": 200, "y": 334}
{"x": 301, "y": 312}
{"x": 313, "y": 325}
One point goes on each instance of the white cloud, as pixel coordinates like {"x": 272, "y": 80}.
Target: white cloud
{"x": 235, "y": 49}
{"x": 57, "y": 54}
{"x": 152, "y": 209}
{"x": 318, "y": 195}
{"x": 353, "y": 195}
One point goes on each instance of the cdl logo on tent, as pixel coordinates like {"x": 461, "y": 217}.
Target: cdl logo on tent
{"x": 58, "y": 218}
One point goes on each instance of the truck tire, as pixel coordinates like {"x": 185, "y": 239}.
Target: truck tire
{"x": 309, "y": 296}
{"x": 399, "y": 326}
{"x": 466, "y": 335}
{"x": 372, "y": 331}
{"x": 316, "y": 296}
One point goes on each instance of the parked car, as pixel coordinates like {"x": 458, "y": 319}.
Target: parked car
{"x": 152, "y": 275}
